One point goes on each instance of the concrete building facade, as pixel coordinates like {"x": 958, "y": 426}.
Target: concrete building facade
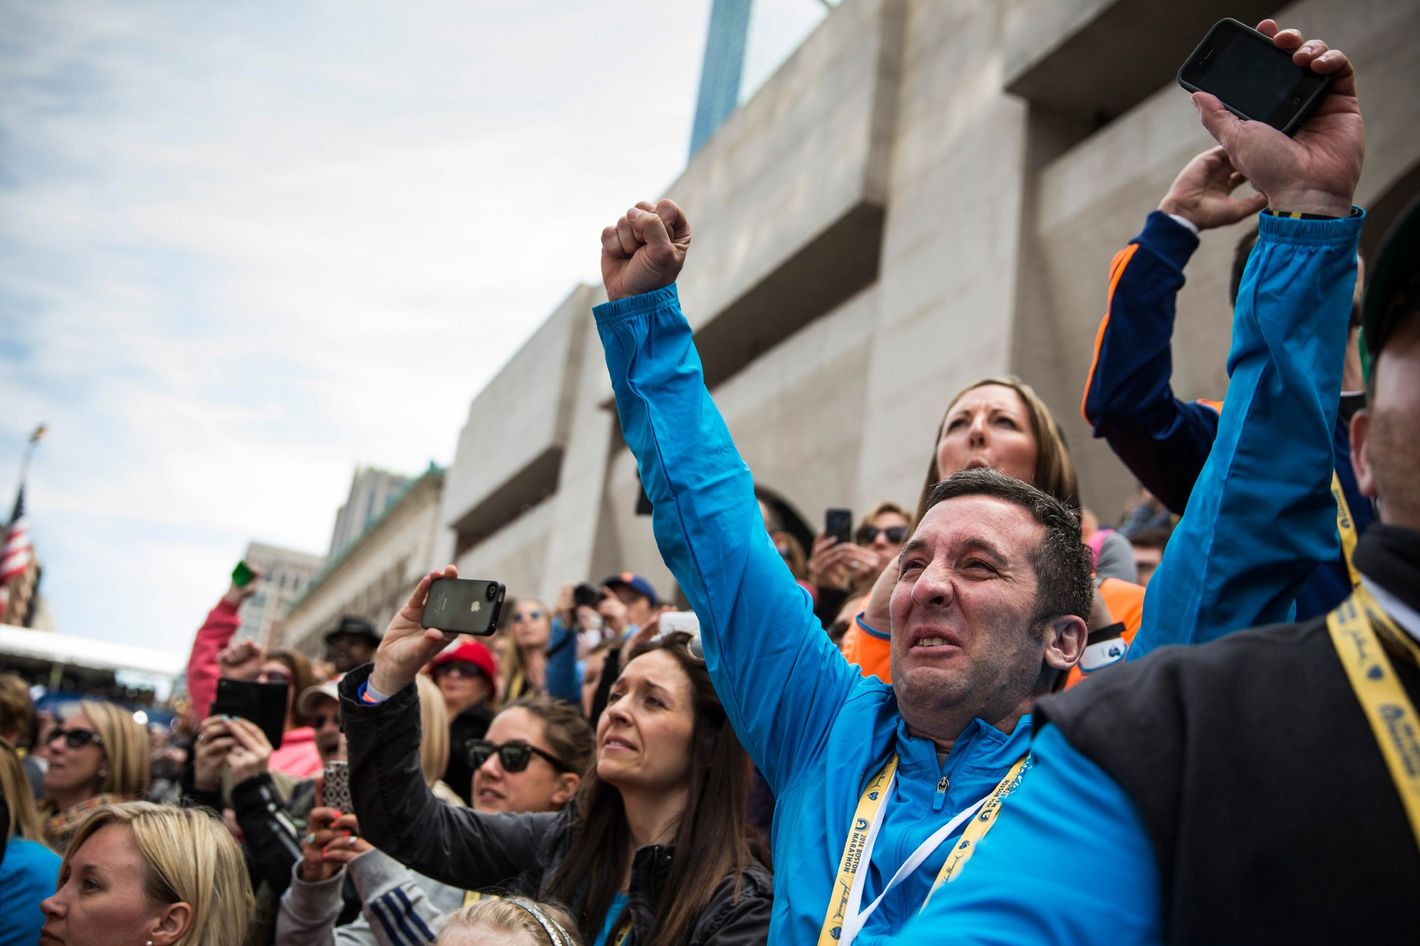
{"x": 374, "y": 573}
{"x": 925, "y": 193}
{"x": 285, "y": 574}
{"x": 371, "y": 492}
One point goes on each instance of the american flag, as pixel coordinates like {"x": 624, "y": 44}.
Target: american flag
{"x": 16, "y": 551}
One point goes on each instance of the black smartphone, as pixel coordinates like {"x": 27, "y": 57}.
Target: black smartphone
{"x": 260, "y": 703}
{"x": 838, "y": 523}
{"x": 586, "y": 595}
{"x": 465, "y": 605}
{"x": 1251, "y": 77}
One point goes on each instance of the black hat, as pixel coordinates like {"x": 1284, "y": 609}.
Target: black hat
{"x": 354, "y": 627}
{"x": 1393, "y": 287}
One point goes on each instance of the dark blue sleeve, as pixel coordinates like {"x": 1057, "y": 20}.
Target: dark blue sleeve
{"x": 561, "y": 678}
{"x": 1128, "y": 398}
{"x": 1067, "y": 862}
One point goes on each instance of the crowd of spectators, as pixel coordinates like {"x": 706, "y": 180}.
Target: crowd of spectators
{"x": 960, "y": 724}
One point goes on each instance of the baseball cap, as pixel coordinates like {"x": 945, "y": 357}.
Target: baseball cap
{"x": 1393, "y": 287}
{"x": 636, "y": 583}
{"x": 309, "y": 695}
{"x": 469, "y": 652}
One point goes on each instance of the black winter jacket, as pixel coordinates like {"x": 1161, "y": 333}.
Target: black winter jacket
{"x": 516, "y": 853}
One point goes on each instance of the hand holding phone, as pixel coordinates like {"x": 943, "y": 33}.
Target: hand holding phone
{"x": 838, "y": 524}
{"x": 263, "y": 704}
{"x": 408, "y": 644}
{"x": 1315, "y": 171}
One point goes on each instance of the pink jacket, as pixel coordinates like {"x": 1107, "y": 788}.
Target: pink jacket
{"x": 216, "y": 632}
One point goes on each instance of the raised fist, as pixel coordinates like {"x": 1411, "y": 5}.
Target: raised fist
{"x": 644, "y": 250}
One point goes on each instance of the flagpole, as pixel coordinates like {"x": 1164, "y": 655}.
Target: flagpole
{"x": 28, "y": 456}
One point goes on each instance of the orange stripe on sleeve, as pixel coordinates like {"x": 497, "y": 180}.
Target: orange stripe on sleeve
{"x": 1116, "y": 270}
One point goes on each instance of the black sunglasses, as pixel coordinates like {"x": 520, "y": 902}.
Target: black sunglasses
{"x": 74, "y": 738}
{"x": 866, "y": 534}
{"x": 513, "y": 756}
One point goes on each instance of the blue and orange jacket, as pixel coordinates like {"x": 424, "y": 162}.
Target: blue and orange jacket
{"x": 1130, "y": 402}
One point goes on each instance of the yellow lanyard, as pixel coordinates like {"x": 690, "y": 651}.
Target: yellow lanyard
{"x": 622, "y": 932}
{"x": 1388, "y": 709}
{"x": 1346, "y": 528}
{"x": 982, "y": 822}
{"x": 861, "y": 831}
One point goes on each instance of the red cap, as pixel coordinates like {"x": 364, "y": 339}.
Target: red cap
{"x": 469, "y": 652}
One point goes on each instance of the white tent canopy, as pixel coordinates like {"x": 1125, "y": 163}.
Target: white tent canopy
{"x": 87, "y": 652}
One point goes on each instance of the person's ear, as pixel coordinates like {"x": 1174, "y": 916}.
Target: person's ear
{"x": 1365, "y": 477}
{"x": 172, "y": 924}
{"x": 1065, "y": 637}
{"x": 567, "y": 785}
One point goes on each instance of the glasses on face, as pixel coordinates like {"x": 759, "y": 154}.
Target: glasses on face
{"x": 318, "y": 721}
{"x": 74, "y": 738}
{"x": 468, "y": 671}
{"x": 527, "y": 616}
{"x": 273, "y": 676}
{"x": 513, "y": 756}
{"x": 866, "y": 534}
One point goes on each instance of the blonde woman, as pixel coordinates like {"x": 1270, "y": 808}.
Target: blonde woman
{"x": 98, "y": 757}
{"x": 515, "y": 921}
{"x": 149, "y": 875}
{"x": 28, "y": 869}
{"x": 525, "y": 659}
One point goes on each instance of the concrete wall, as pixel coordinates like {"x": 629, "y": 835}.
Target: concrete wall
{"x": 926, "y": 193}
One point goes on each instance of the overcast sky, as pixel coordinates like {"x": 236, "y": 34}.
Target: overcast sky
{"x": 245, "y": 247}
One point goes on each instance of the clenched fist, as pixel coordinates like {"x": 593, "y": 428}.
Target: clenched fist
{"x": 644, "y": 250}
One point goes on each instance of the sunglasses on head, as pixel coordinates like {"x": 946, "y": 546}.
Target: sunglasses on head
{"x": 527, "y": 615}
{"x": 866, "y": 534}
{"x": 513, "y": 756}
{"x": 74, "y": 738}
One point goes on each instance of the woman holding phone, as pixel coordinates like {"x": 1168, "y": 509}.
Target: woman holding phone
{"x": 654, "y": 849}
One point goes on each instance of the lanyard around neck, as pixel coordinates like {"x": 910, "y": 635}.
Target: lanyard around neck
{"x": 1346, "y": 529}
{"x": 1356, "y": 626}
{"x": 844, "y": 918}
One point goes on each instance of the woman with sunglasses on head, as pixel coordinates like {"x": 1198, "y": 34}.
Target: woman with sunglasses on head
{"x": 531, "y": 760}
{"x": 654, "y": 848}
{"x": 525, "y": 657}
{"x": 98, "y": 757}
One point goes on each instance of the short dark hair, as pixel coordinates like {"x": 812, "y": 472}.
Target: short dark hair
{"x": 1063, "y": 566}
{"x": 1241, "y": 252}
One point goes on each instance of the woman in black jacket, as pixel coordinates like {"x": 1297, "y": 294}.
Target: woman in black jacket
{"x": 655, "y": 848}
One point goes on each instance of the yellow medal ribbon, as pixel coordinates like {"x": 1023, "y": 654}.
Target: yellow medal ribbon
{"x": 868, "y": 804}
{"x": 981, "y": 822}
{"x": 1346, "y": 528}
{"x": 861, "y": 830}
{"x": 1388, "y": 709}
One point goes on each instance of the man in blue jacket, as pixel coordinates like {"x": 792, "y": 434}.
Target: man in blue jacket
{"x": 875, "y": 784}
{"x": 1260, "y": 788}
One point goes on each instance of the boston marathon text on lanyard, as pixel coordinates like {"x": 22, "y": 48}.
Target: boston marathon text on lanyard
{"x": 1356, "y": 627}
{"x": 846, "y": 916}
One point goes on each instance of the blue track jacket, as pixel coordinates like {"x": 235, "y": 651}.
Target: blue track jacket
{"x": 1129, "y": 401}
{"x": 1261, "y": 517}
{"x": 1091, "y": 876}
{"x": 816, "y": 728}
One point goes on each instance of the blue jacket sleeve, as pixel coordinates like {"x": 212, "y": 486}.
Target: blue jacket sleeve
{"x": 561, "y": 678}
{"x": 1128, "y": 399}
{"x": 781, "y": 680}
{"x": 1261, "y": 517}
{"x": 1079, "y": 872}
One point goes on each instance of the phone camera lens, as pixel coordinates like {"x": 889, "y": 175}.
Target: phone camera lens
{"x": 492, "y": 592}
{"x": 1296, "y": 100}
